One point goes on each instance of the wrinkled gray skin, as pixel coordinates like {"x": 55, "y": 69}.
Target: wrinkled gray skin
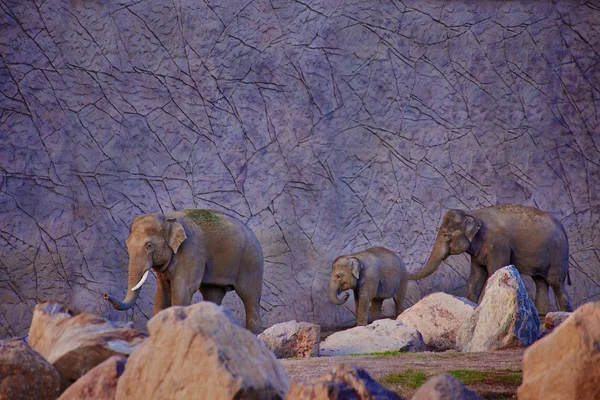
{"x": 533, "y": 241}
{"x": 214, "y": 255}
{"x": 374, "y": 275}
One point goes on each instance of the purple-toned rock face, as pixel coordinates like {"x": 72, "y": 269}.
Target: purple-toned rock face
{"x": 327, "y": 127}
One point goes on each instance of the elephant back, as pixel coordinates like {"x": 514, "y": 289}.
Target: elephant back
{"x": 206, "y": 219}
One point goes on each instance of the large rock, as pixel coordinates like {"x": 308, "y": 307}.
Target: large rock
{"x": 75, "y": 344}
{"x": 25, "y": 374}
{"x": 199, "y": 350}
{"x": 554, "y": 319}
{"x": 100, "y": 383}
{"x": 293, "y": 339}
{"x": 505, "y": 318}
{"x": 341, "y": 383}
{"x": 565, "y": 364}
{"x": 444, "y": 387}
{"x": 382, "y": 335}
{"x": 438, "y": 317}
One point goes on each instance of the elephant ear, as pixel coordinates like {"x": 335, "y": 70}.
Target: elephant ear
{"x": 176, "y": 234}
{"x": 355, "y": 266}
{"x": 472, "y": 225}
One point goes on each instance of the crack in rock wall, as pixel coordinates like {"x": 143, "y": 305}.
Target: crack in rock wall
{"x": 327, "y": 126}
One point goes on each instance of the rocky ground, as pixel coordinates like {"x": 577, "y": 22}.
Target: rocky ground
{"x": 201, "y": 349}
{"x": 494, "y": 375}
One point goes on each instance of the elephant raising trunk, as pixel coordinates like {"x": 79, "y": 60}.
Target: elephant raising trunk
{"x": 440, "y": 252}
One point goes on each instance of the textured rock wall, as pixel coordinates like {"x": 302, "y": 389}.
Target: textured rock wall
{"x": 327, "y": 126}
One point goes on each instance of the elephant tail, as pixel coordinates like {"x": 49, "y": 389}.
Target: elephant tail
{"x": 568, "y": 278}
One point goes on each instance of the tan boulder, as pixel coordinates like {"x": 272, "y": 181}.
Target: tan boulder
{"x": 341, "y": 383}
{"x": 25, "y": 374}
{"x": 506, "y": 317}
{"x": 75, "y": 344}
{"x": 554, "y": 319}
{"x": 293, "y": 339}
{"x": 444, "y": 387}
{"x": 438, "y": 317}
{"x": 199, "y": 352}
{"x": 565, "y": 364}
{"x": 100, "y": 383}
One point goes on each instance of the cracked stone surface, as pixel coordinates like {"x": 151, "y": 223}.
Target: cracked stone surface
{"x": 327, "y": 126}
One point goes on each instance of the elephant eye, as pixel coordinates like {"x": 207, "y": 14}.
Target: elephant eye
{"x": 148, "y": 245}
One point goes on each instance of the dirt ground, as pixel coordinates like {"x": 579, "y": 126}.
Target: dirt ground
{"x": 494, "y": 375}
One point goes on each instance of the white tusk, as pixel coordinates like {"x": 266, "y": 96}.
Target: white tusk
{"x": 141, "y": 282}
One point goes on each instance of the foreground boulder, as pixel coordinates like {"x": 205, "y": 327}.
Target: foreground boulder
{"x": 293, "y": 339}
{"x": 505, "y": 318}
{"x": 25, "y": 374}
{"x": 565, "y": 364}
{"x": 438, "y": 317}
{"x": 198, "y": 351}
{"x": 444, "y": 387}
{"x": 382, "y": 335}
{"x": 75, "y": 344}
{"x": 343, "y": 382}
{"x": 100, "y": 383}
{"x": 554, "y": 319}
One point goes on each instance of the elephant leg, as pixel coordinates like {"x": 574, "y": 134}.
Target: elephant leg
{"x": 541, "y": 295}
{"x": 399, "y": 297}
{"x": 376, "y": 306}
{"x": 186, "y": 278}
{"x": 362, "y": 309}
{"x": 212, "y": 293}
{"x": 182, "y": 292}
{"x": 476, "y": 284}
{"x": 251, "y": 299}
{"x": 162, "y": 299}
{"x": 562, "y": 297}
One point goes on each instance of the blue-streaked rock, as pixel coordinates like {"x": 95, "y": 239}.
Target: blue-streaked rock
{"x": 505, "y": 318}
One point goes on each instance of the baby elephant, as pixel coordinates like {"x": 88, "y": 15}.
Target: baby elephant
{"x": 374, "y": 274}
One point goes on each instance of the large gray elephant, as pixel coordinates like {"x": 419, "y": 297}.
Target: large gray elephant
{"x": 533, "y": 241}
{"x": 374, "y": 274}
{"x": 190, "y": 250}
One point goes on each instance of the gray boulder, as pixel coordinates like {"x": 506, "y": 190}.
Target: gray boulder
{"x": 380, "y": 336}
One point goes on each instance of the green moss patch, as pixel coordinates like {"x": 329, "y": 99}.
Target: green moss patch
{"x": 409, "y": 378}
{"x": 502, "y": 377}
{"x": 469, "y": 377}
{"x": 203, "y": 217}
{"x": 491, "y": 384}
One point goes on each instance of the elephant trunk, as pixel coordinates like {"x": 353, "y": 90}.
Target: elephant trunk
{"x": 438, "y": 254}
{"x": 133, "y": 291}
{"x": 334, "y": 290}
{"x": 126, "y": 304}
